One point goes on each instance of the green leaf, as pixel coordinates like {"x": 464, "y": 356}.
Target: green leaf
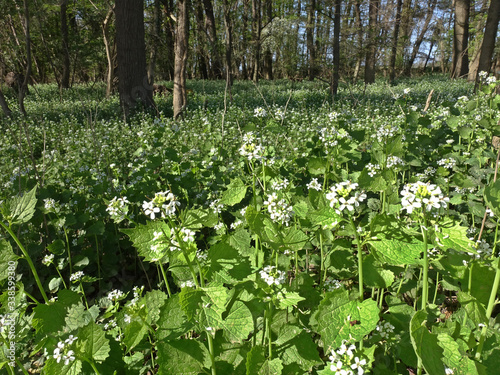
{"x": 451, "y": 351}
{"x": 92, "y": 343}
{"x": 19, "y": 210}
{"x": 316, "y": 166}
{"x": 78, "y": 317}
{"x": 294, "y": 345}
{"x": 53, "y": 368}
{"x": 154, "y": 301}
{"x": 426, "y": 345}
{"x": 96, "y": 229}
{"x": 7, "y": 259}
{"x": 288, "y": 299}
{"x": 182, "y": 357}
{"x": 135, "y": 330}
{"x": 51, "y": 318}
{"x": 492, "y": 197}
{"x": 198, "y": 218}
{"x": 57, "y": 247}
{"x": 143, "y": 236}
{"x": 189, "y": 300}
{"x": 335, "y": 314}
{"x": 173, "y": 322}
{"x": 398, "y": 253}
{"x": 325, "y": 217}
{"x": 224, "y": 259}
{"x": 475, "y": 310}
{"x": 454, "y": 236}
{"x": 235, "y": 192}
{"x": 374, "y": 275}
{"x": 257, "y": 364}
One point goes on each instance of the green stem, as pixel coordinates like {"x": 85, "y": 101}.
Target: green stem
{"x": 164, "y": 274}
{"x": 360, "y": 261}
{"x": 212, "y": 353}
{"x": 92, "y": 364}
{"x": 268, "y": 329}
{"x": 69, "y": 251}
{"x": 322, "y": 271}
{"x": 98, "y": 261}
{"x": 28, "y": 259}
{"x": 425, "y": 276}
{"x": 436, "y": 289}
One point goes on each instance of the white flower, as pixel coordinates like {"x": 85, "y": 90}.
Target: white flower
{"x": 126, "y": 318}
{"x": 314, "y": 184}
{"x": 259, "y": 112}
{"x": 279, "y": 210}
{"x": 271, "y": 275}
{"x": 70, "y": 339}
{"x": 417, "y": 195}
{"x": 163, "y": 204}
{"x": 115, "y": 294}
{"x": 358, "y": 365}
{"x": 48, "y": 259}
{"x": 340, "y": 199}
{"x": 118, "y": 208}
{"x": 76, "y": 276}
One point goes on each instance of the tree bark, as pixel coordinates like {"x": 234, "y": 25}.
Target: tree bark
{"x": 268, "y": 56}
{"x": 216, "y": 69}
{"x": 23, "y": 89}
{"x": 5, "y": 107}
{"x": 201, "y": 52}
{"x": 66, "y": 69}
{"x": 133, "y": 84}
{"x": 395, "y": 38}
{"x": 181, "y": 54}
{"x": 229, "y": 42}
{"x": 336, "y": 48}
{"x": 359, "y": 32}
{"x": 156, "y": 38}
{"x": 489, "y": 38}
{"x": 256, "y": 29}
{"x": 311, "y": 10}
{"x": 460, "y": 62}
{"x": 372, "y": 46}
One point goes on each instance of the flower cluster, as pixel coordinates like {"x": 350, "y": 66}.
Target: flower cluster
{"x": 394, "y": 161}
{"x": 280, "y": 211}
{"x": 330, "y": 136}
{"x": 483, "y": 77}
{"x": 419, "y": 194}
{"x": 118, "y": 208}
{"x": 259, "y": 112}
{"x": 186, "y": 235}
{"x": 372, "y": 169}
{"x": 345, "y": 362}
{"x": 51, "y": 205}
{"x": 250, "y": 149}
{"x": 331, "y": 284}
{"x": 271, "y": 275}
{"x": 48, "y": 259}
{"x": 115, "y": 295}
{"x": 343, "y": 196}
{"x": 59, "y": 353}
{"x": 314, "y": 184}
{"x": 76, "y": 276}
{"x": 447, "y": 163}
{"x": 163, "y": 204}
{"x": 385, "y": 329}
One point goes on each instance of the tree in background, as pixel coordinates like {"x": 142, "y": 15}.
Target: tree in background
{"x": 460, "y": 63}
{"x": 181, "y": 55}
{"x": 133, "y": 85}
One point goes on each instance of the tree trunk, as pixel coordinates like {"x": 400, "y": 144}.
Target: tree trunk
{"x": 156, "y": 38}
{"x": 256, "y": 24}
{"x": 420, "y": 38}
{"x": 395, "y": 38}
{"x": 371, "y": 50}
{"x": 23, "y": 88}
{"x": 244, "y": 65}
{"x": 268, "y": 56}
{"x": 110, "y": 74}
{"x": 336, "y": 48}
{"x": 133, "y": 84}
{"x": 216, "y": 70}
{"x": 181, "y": 53}
{"x": 490, "y": 33}
{"x": 65, "y": 45}
{"x": 5, "y": 107}
{"x": 202, "y": 41}
{"x": 229, "y": 42}
{"x": 460, "y": 63}
{"x": 359, "y": 32}
{"x": 310, "y": 39}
